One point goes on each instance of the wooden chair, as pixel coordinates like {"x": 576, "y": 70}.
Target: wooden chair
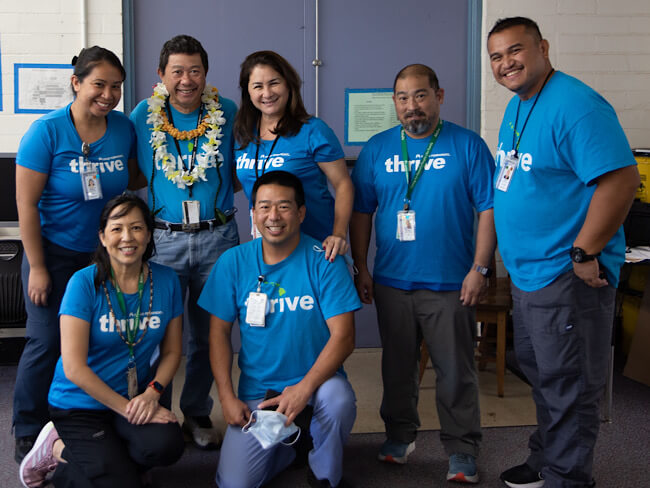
{"x": 494, "y": 308}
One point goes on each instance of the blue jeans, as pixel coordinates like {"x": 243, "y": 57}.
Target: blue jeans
{"x": 562, "y": 337}
{"x": 244, "y": 463}
{"x": 192, "y": 256}
{"x": 43, "y": 347}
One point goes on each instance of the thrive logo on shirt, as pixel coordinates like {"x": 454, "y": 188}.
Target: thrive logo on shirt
{"x": 287, "y": 304}
{"x": 436, "y": 161}
{"x": 103, "y": 165}
{"x": 107, "y": 321}
{"x": 277, "y": 161}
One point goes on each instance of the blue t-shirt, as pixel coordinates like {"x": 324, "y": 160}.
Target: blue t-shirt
{"x": 304, "y": 290}
{"x": 108, "y": 356}
{"x": 53, "y": 146}
{"x": 572, "y": 137}
{"x": 299, "y": 154}
{"x": 167, "y": 197}
{"x": 455, "y": 182}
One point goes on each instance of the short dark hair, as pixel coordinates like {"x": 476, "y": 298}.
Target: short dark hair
{"x": 130, "y": 201}
{"x": 508, "y": 22}
{"x": 282, "y": 178}
{"x": 247, "y": 119}
{"x": 181, "y": 44}
{"x": 418, "y": 70}
{"x": 89, "y": 57}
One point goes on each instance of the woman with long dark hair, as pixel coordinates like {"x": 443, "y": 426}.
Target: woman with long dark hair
{"x": 118, "y": 316}
{"x": 274, "y": 131}
{"x": 69, "y": 164}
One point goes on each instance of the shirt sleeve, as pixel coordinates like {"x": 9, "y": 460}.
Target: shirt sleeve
{"x": 337, "y": 294}
{"x": 219, "y": 296}
{"x": 595, "y": 145}
{"x": 481, "y": 175}
{"x": 36, "y": 148}
{"x": 365, "y": 198}
{"x": 79, "y": 297}
{"x": 323, "y": 143}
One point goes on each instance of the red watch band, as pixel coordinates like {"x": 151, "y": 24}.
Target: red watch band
{"x": 156, "y": 386}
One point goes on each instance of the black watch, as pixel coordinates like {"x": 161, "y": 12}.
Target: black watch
{"x": 484, "y": 270}
{"x": 579, "y": 255}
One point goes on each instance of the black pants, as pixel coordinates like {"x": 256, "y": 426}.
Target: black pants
{"x": 103, "y": 449}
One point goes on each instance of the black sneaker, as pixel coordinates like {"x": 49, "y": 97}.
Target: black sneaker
{"x": 522, "y": 476}
{"x": 202, "y": 433}
{"x": 23, "y": 446}
{"x": 316, "y": 483}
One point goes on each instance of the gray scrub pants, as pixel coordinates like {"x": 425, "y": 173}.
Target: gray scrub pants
{"x": 562, "y": 335}
{"x": 447, "y": 326}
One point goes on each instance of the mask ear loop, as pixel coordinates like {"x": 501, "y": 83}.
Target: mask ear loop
{"x": 348, "y": 259}
{"x": 293, "y": 441}
{"x": 245, "y": 428}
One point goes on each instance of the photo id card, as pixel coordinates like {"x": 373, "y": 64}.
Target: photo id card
{"x": 191, "y": 213}
{"x": 256, "y": 309}
{"x": 92, "y": 187}
{"x": 406, "y": 225}
{"x": 507, "y": 171}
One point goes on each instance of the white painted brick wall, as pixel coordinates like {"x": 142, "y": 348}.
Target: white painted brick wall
{"x": 605, "y": 43}
{"x": 47, "y": 31}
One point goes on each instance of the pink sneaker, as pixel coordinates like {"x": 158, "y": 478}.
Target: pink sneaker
{"x": 39, "y": 462}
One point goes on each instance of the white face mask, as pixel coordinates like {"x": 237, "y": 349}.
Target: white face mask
{"x": 268, "y": 428}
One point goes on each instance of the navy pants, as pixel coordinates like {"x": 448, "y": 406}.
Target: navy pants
{"x": 43, "y": 347}
{"x": 103, "y": 450}
{"x": 562, "y": 336}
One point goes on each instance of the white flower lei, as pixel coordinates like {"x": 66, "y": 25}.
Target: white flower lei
{"x": 210, "y": 149}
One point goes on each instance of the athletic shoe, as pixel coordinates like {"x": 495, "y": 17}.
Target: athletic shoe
{"x": 202, "y": 433}
{"x": 395, "y": 452}
{"x": 522, "y": 476}
{"x": 316, "y": 483}
{"x": 23, "y": 446}
{"x": 462, "y": 468}
{"x": 39, "y": 462}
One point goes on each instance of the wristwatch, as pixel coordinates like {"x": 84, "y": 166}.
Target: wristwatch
{"x": 156, "y": 386}
{"x": 579, "y": 255}
{"x": 484, "y": 270}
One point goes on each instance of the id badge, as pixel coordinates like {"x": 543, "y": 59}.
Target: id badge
{"x": 90, "y": 181}
{"x": 406, "y": 225}
{"x": 507, "y": 171}
{"x": 132, "y": 379}
{"x": 256, "y": 309}
{"x": 191, "y": 213}
{"x": 255, "y": 233}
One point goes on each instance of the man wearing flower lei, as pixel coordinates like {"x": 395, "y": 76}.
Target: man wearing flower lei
{"x": 185, "y": 151}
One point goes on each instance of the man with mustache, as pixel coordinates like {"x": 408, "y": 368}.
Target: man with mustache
{"x": 571, "y": 179}
{"x": 185, "y": 151}
{"x": 426, "y": 278}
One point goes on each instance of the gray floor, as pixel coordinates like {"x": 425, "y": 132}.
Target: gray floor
{"x": 621, "y": 454}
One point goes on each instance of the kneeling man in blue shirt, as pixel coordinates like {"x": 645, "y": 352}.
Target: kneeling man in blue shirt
{"x": 295, "y": 313}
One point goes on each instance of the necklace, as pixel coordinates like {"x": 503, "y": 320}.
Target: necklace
{"x": 210, "y": 126}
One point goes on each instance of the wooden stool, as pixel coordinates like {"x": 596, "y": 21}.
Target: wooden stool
{"x": 494, "y": 308}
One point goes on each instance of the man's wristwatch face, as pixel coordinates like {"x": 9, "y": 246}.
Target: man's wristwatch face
{"x": 579, "y": 255}
{"x": 484, "y": 270}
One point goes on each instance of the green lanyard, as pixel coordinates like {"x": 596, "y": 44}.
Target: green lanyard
{"x": 410, "y": 184}
{"x": 131, "y": 331}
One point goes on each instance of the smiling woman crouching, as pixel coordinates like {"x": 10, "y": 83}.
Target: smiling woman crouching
{"x": 108, "y": 425}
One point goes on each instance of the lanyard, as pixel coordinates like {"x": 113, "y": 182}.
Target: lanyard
{"x": 257, "y": 155}
{"x": 131, "y": 330}
{"x": 521, "y": 133}
{"x": 192, "y": 146}
{"x": 410, "y": 184}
